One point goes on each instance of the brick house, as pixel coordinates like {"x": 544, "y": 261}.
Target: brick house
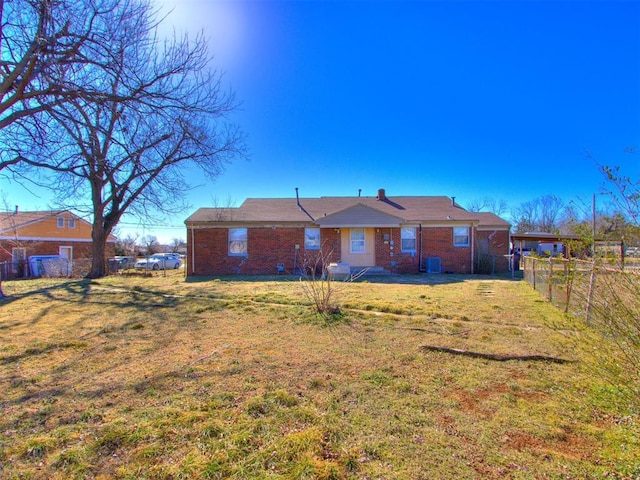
{"x": 55, "y": 232}
{"x": 395, "y": 234}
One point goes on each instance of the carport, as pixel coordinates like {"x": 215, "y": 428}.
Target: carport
{"x": 522, "y": 242}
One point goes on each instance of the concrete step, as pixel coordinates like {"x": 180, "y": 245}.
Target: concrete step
{"x": 369, "y": 271}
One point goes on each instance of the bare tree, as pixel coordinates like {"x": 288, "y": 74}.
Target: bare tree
{"x": 162, "y": 108}
{"x": 176, "y": 243}
{"x": 43, "y": 44}
{"x": 541, "y": 214}
{"x": 550, "y": 210}
{"x": 126, "y": 245}
{"x": 488, "y": 204}
{"x": 525, "y": 217}
{"x": 624, "y": 190}
{"x": 150, "y": 244}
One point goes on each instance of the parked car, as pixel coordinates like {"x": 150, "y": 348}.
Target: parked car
{"x": 159, "y": 261}
{"x": 123, "y": 262}
{"x": 632, "y": 252}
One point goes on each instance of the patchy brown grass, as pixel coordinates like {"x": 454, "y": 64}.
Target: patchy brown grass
{"x": 238, "y": 378}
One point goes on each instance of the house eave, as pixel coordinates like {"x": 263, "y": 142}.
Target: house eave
{"x": 14, "y": 238}
{"x": 249, "y": 224}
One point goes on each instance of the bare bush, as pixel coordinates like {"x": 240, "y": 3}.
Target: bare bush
{"x": 612, "y": 298}
{"x": 318, "y": 286}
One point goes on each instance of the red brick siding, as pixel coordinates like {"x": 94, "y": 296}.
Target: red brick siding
{"x": 493, "y": 247}
{"x": 389, "y": 252}
{"x": 330, "y": 239}
{"x": 207, "y": 252}
{"x": 268, "y": 247}
{"x": 438, "y": 242}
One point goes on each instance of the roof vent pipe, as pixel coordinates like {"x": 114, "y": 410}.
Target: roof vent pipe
{"x": 359, "y": 192}
{"x": 16, "y": 210}
{"x": 301, "y": 207}
{"x": 453, "y": 201}
{"x": 381, "y": 194}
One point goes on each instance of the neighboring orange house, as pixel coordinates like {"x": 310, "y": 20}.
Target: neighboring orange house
{"x": 56, "y": 232}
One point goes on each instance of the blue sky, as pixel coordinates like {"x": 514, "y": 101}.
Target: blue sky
{"x": 458, "y": 98}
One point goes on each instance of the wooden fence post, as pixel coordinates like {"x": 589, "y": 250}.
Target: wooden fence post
{"x": 568, "y": 278}
{"x": 533, "y": 271}
{"x": 550, "y": 280}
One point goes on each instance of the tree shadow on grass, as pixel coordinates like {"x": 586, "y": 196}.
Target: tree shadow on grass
{"x": 74, "y": 287}
{"x": 85, "y": 291}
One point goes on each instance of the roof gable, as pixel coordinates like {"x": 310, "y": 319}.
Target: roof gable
{"x": 359, "y": 216}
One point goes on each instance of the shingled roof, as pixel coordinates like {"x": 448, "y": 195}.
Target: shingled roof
{"x": 10, "y": 221}
{"x": 408, "y": 209}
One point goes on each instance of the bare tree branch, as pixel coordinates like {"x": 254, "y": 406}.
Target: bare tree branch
{"x": 154, "y": 107}
{"x": 539, "y": 215}
{"x": 43, "y": 45}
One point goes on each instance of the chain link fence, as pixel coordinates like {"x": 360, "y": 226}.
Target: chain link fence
{"x": 578, "y": 286}
{"x": 45, "y": 267}
{"x": 605, "y": 294}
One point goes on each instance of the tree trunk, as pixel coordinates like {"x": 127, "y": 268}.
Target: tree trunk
{"x": 98, "y": 258}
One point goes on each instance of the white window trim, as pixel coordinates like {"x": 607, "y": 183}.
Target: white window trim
{"x": 60, "y": 222}
{"x": 362, "y": 241}
{"x": 71, "y": 222}
{"x": 244, "y": 253}
{"x": 414, "y": 238}
{"x": 467, "y": 234}
{"x": 309, "y": 246}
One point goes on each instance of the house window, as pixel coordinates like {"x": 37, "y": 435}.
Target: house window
{"x": 60, "y": 222}
{"x": 71, "y": 222}
{"x": 357, "y": 240}
{"x": 460, "y": 236}
{"x": 312, "y": 238}
{"x": 237, "y": 242}
{"x": 408, "y": 239}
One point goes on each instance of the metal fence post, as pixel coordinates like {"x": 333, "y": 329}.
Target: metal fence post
{"x": 592, "y": 281}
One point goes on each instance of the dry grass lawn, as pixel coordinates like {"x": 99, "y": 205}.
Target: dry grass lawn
{"x": 164, "y": 378}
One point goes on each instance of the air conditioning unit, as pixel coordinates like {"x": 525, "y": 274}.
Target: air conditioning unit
{"x": 433, "y": 265}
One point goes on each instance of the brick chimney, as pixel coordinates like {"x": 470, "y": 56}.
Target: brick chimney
{"x": 381, "y": 194}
